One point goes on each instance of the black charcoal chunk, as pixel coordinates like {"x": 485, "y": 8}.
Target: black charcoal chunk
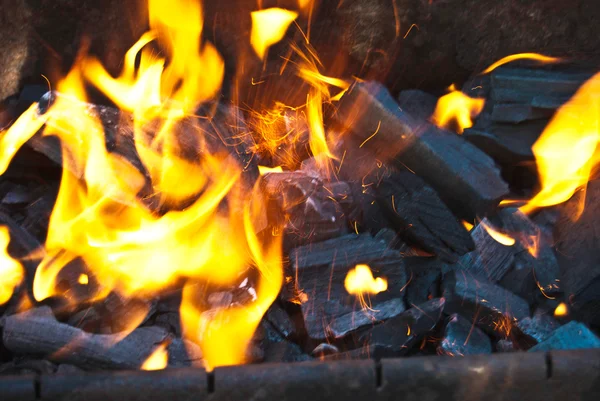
{"x": 357, "y": 319}
{"x": 493, "y": 308}
{"x": 418, "y": 104}
{"x": 399, "y": 334}
{"x": 281, "y": 321}
{"x": 538, "y": 328}
{"x": 421, "y": 218}
{"x": 462, "y": 337}
{"x": 505, "y": 346}
{"x": 517, "y": 113}
{"x": 573, "y": 335}
{"x": 324, "y": 349}
{"x": 285, "y": 351}
{"x": 424, "y": 279}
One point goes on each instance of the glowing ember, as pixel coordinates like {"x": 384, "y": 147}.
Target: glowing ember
{"x": 360, "y": 281}
{"x": 11, "y": 271}
{"x": 566, "y": 153}
{"x": 157, "y": 360}
{"x": 456, "y": 110}
{"x": 561, "y": 310}
{"x": 497, "y": 235}
{"x": 269, "y": 27}
{"x": 83, "y": 279}
{"x": 521, "y": 56}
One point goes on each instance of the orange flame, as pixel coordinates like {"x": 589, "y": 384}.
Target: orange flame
{"x": 457, "y": 110}
{"x": 158, "y": 360}
{"x": 566, "y": 151}
{"x": 522, "y": 56}
{"x": 269, "y": 27}
{"x": 11, "y": 271}
{"x": 497, "y": 235}
{"x": 361, "y": 281}
{"x": 561, "y": 310}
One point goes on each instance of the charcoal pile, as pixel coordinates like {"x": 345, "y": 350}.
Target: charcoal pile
{"x": 411, "y": 213}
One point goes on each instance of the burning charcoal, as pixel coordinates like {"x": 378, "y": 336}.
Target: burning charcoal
{"x": 538, "y": 328}
{"x": 87, "y": 319}
{"x": 38, "y": 332}
{"x": 397, "y": 335}
{"x": 536, "y": 87}
{"x": 508, "y": 144}
{"x": 324, "y": 349}
{"x": 389, "y": 237}
{"x": 319, "y": 271}
{"x": 357, "y": 319}
{"x": 573, "y": 335}
{"x": 492, "y": 307}
{"x": 578, "y": 250}
{"x": 304, "y": 206}
{"x": 169, "y": 321}
{"x": 461, "y": 337}
{"x": 420, "y": 217}
{"x": 281, "y": 321}
{"x": 425, "y": 276}
{"x": 285, "y": 351}
{"x": 440, "y": 157}
{"x": 418, "y": 104}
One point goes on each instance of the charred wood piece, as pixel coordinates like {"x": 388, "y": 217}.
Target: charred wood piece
{"x": 420, "y": 217}
{"x": 462, "y": 337}
{"x": 37, "y": 332}
{"x": 425, "y": 277}
{"x": 418, "y": 104}
{"x": 397, "y": 335}
{"x": 491, "y": 307}
{"x": 538, "y": 328}
{"x": 361, "y": 318}
{"x": 573, "y": 335}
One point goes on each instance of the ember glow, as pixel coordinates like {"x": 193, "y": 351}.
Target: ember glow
{"x": 566, "y": 151}
{"x": 456, "y": 110}
{"x": 521, "y": 56}
{"x": 11, "y": 271}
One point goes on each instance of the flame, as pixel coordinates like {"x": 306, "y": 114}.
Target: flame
{"x": 497, "y": 235}
{"x": 269, "y": 27}
{"x": 267, "y": 170}
{"x": 83, "y": 279}
{"x": 561, "y": 310}
{"x": 467, "y": 225}
{"x": 11, "y": 271}
{"x": 566, "y": 152}
{"x": 158, "y": 360}
{"x": 361, "y": 281}
{"x": 457, "y": 110}
{"x": 522, "y": 56}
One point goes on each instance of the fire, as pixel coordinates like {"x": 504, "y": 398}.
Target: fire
{"x": 497, "y": 235}
{"x": 269, "y": 27}
{"x": 456, "y": 110}
{"x": 522, "y": 56}
{"x": 267, "y": 170}
{"x": 467, "y": 225}
{"x": 561, "y": 310}
{"x": 361, "y": 281}
{"x": 158, "y": 360}
{"x": 566, "y": 152}
{"x": 11, "y": 271}
{"x": 138, "y": 248}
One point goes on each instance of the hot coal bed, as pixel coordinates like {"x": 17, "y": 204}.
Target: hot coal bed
{"x": 437, "y": 243}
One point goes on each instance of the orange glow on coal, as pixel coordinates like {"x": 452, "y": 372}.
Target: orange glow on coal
{"x": 158, "y": 360}
{"x": 456, "y": 110}
{"x": 11, "y": 271}
{"x": 269, "y": 27}
{"x": 561, "y": 310}
{"x": 497, "y": 235}
{"x": 521, "y": 56}
{"x": 566, "y": 152}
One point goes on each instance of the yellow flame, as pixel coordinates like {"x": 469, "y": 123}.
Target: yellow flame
{"x": 11, "y": 271}
{"x": 497, "y": 235}
{"x": 361, "y": 281}
{"x": 269, "y": 27}
{"x": 522, "y": 56}
{"x": 467, "y": 225}
{"x": 566, "y": 152}
{"x": 561, "y": 310}
{"x": 83, "y": 279}
{"x": 456, "y": 110}
{"x": 158, "y": 360}
{"x": 266, "y": 170}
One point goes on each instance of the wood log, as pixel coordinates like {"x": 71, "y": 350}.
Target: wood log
{"x": 374, "y": 120}
{"x": 421, "y": 218}
{"x": 37, "y": 332}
